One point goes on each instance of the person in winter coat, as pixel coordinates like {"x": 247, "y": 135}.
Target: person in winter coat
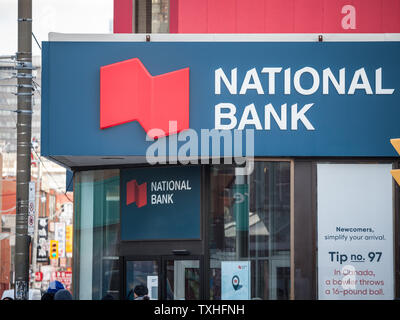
{"x": 63, "y": 294}
{"x": 141, "y": 292}
{"x": 52, "y": 290}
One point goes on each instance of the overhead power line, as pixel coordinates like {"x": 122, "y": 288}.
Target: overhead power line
{"x": 48, "y": 172}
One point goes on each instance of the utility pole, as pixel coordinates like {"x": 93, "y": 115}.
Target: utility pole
{"x": 24, "y": 121}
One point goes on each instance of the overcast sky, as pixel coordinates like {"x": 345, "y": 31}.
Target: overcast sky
{"x": 68, "y": 16}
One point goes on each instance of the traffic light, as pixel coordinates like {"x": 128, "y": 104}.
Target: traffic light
{"x": 53, "y": 249}
{"x": 396, "y": 173}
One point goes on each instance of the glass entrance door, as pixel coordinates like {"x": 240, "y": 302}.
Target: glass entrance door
{"x": 182, "y": 279}
{"x": 166, "y": 277}
{"x": 144, "y": 273}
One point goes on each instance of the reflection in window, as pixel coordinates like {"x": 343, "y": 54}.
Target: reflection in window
{"x": 141, "y": 273}
{"x": 159, "y": 16}
{"x": 96, "y": 262}
{"x": 183, "y": 280}
{"x": 250, "y": 220}
{"x": 151, "y": 16}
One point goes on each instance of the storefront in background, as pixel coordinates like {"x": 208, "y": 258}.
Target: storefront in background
{"x": 314, "y": 218}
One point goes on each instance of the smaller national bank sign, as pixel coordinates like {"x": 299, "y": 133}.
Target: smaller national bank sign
{"x": 160, "y": 203}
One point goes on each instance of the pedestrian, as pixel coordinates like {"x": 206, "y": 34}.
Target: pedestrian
{"x": 140, "y": 292}
{"x": 55, "y": 286}
{"x": 63, "y": 294}
{"x": 47, "y": 296}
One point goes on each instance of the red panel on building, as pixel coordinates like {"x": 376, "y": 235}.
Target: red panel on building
{"x": 273, "y": 16}
{"x": 221, "y": 17}
{"x": 391, "y": 14}
{"x": 123, "y": 10}
{"x": 193, "y": 19}
{"x": 332, "y": 17}
{"x": 173, "y": 16}
{"x": 308, "y": 16}
{"x": 369, "y": 15}
{"x": 285, "y": 16}
{"x": 128, "y": 92}
{"x": 279, "y": 16}
{"x": 250, "y": 16}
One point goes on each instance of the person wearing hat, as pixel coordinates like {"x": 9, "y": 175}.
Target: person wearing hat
{"x": 63, "y": 294}
{"x": 141, "y": 292}
{"x": 52, "y": 290}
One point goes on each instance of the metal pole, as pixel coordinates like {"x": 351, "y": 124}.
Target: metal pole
{"x": 24, "y": 102}
{"x": 241, "y": 212}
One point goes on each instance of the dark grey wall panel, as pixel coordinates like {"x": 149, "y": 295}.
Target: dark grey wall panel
{"x": 305, "y": 230}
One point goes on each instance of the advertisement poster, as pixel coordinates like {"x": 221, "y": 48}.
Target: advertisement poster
{"x": 235, "y": 280}
{"x": 355, "y": 248}
{"x": 152, "y": 286}
{"x": 68, "y": 240}
{"x": 42, "y": 246}
{"x": 59, "y": 235}
{"x": 65, "y": 277}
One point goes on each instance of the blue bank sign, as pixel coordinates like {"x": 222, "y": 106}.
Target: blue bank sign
{"x": 300, "y": 98}
{"x": 160, "y": 203}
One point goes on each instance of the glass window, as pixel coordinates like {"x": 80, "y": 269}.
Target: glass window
{"x": 151, "y": 16}
{"x": 96, "y": 261}
{"x": 142, "y": 273}
{"x": 250, "y": 221}
{"x": 143, "y": 16}
{"x": 160, "y": 16}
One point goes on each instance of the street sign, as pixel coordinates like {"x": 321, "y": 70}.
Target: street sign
{"x": 396, "y": 172}
{"x": 42, "y": 243}
{"x": 65, "y": 277}
{"x": 38, "y": 276}
{"x": 59, "y": 235}
{"x": 68, "y": 240}
{"x": 31, "y": 209}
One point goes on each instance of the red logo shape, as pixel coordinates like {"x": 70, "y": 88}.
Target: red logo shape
{"x": 136, "y": 193}
{"x": 128, "y": 92}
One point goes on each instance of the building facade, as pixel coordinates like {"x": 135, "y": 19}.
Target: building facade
{"x": 268, "y": 176}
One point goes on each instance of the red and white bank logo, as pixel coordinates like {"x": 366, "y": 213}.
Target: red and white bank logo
{"x": 136, "y": 193}
{"x": 128, "y": 92}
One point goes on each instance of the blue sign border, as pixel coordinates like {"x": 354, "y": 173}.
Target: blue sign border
{"x": 359, "y": 125}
